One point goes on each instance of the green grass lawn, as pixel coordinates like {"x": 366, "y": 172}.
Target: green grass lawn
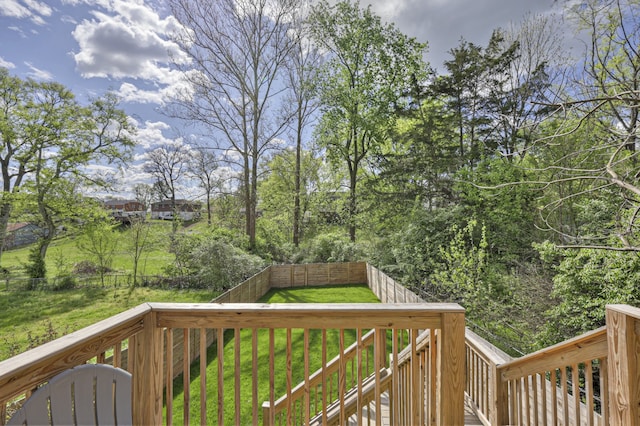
{"x": 30, "y": 318}
{"x": 64, "y": 254}
{"x": 327, "y": 294}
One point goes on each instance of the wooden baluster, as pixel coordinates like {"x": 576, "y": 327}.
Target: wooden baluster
{"x": 220, "y": 355}
{"x": 186, "y": 376}
{"x": 203, "y": 376}
{"x": 169, "y": 375}
{"x": 254, "y": 374}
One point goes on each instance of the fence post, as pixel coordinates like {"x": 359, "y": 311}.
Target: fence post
{"x": 147, "y": 373}
{"x": 451, "y": 377}
{"x": 623, "y": 365}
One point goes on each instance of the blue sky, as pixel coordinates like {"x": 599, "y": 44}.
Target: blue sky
{"x": 92, "y": 46}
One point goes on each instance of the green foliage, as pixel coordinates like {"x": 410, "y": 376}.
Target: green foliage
{"x": 36, "y": 268}
{"x": 331, "y": 247}
{"x": 64, "y": 282}
{"x": 464, "y": 273}
{"x": 496, "y": 194}
{"x": 213, "y": 260}
{"x": 411, "y": 253}
{"x": 100, "y": 241}
{"x": 585, "y": 281}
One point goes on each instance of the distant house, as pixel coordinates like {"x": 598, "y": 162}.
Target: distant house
{"x": 22, "y": 234}
{"x": 187, "y": 210}
{"x": 125, "y": 210}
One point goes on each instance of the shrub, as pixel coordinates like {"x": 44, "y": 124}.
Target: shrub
{"x": 332, "y": 247}
{"x": 36, "y": 268}
{"x": 64, "y": 282}
{"x": 212, "y": 263}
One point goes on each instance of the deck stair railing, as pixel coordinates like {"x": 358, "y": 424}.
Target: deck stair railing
{"x": 327, "y": 377}
{"x": 360, "y": 396}
{"x": 592, "y": 379}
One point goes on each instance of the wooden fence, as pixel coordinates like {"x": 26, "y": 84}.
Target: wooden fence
{"x": 317, "y": 274}
{"x": 387, "y": 290}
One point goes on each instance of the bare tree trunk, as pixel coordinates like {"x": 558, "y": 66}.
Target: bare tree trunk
{"x": 296, "y": 195}
{"x": 5, "y": 214}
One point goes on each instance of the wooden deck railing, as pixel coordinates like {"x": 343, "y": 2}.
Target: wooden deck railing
{"x": 483, "y": 378}
{"x": 565, "y": 382}
{"x": 144, "y": 328}
{"x": 593, "y": 379}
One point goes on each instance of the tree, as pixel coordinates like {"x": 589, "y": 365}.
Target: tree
{"x": 100, "y": 241}
{"x": 102, "y": 132}
{"x": 463, "y": 92}
{"x": 585, "y": 281}
{"x": 528, "y": 68}
{"x": 237, "y": 50}
{"x": 603, "y": 109}
{"x": 304, "y": 64}
{"x": 283, "y": 193}
{"x": 141, "y": 239}
{"x": 204, "y": 167}
{"x": 46, "y": 138}
{"x": 168, "y": 164}
{"x": 370, "y": 67}
{"x": 417, "y": 162}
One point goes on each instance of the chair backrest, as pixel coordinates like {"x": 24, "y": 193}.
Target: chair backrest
{"x": 89, "y": 394}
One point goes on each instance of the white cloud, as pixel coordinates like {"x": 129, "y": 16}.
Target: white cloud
{"x": 6, "y": 64}
{"x": 130, "y": 40}
{"x": 27, "y": 9}
{"x": 174, "y": 86}
{"x": 14, "y": 9}
{"x": 38, "y": 7}
{"x": 68, "y": 19}
{"x": 37, "y": 73}
{"x": 150, "y": 134}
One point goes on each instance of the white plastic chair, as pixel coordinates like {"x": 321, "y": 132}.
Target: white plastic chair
{"x": 89, "y": 394}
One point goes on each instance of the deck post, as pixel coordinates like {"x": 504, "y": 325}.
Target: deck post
{"x": 451, "y": 378}
{"x": 623, "y": 364}
{"x": 266, "y": 413}
{"x": 499, "y": 397}
{"x": 148, "y": 375}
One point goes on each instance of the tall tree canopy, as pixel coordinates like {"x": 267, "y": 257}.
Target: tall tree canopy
{"x": 46, "y": 137}
{"x": 600, "y": 116}
{"x": 370, "y": 69}
{"x": 238, "y": 51}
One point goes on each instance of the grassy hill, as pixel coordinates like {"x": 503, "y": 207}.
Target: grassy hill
{"x": 30, "y": 318}
{"x": 63, "y": 253}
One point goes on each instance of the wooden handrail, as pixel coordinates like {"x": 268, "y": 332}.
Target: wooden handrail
{"x": 22, "y": 373}
{"x": 302, "y": 315}
{"x": 591, "y": 345}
